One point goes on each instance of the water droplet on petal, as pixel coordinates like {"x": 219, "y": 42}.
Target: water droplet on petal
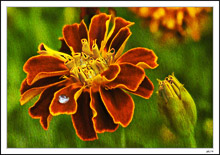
{"x": 63, "y": 99}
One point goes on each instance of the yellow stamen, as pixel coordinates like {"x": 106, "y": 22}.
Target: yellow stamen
{"x": 110, "y": 60}
{"x": 70, "y": 64}
{"x": 100, "y": 62}
{"x": 88, "y": 65}
{"x": 95, "y": 50}
{"x": 100, "y": 65}
{"x": 82, "y": 76}
{"x": 91, "y": 74}
{"x": 77, "y": 57}
{"x": 84, "y": 56}
{"x": 110, "y": 56}
{"x": 93, "y": 65}
{"x": 85, "y": 47}
{"x": 74, "y": 71}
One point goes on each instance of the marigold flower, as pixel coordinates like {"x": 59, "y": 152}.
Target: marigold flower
{"x": 92, "y": 82}
{"x": 182, "y": 21}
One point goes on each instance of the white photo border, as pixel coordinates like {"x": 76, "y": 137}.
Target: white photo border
{"x": 214, "y": 4}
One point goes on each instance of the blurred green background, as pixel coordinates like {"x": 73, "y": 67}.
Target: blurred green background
{"x": 192, "y": 63}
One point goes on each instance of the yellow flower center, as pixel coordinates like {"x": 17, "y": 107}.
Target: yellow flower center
{"x": 86, "y": 65}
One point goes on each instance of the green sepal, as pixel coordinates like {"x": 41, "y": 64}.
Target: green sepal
{"x": 179, "y": 121}
{"x": 189, "y": 105}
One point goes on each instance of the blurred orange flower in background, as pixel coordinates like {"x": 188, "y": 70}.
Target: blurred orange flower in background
{"x": 183, "y": 21}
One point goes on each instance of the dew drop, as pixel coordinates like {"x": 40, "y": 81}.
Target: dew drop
{"x": 63, "y": 99}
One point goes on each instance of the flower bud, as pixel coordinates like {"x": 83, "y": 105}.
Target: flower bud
{"x": 176, "y": 106}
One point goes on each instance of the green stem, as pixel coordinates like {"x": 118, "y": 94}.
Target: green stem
{"x": 123, "y": 143}
{"x": 192, "y": 141}
{"x": 189, "y": 141}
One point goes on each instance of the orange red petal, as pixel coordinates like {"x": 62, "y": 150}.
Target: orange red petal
{"x": 112, "y": 72}
{"x": 29, "y": 94}
{"x": 39, "y": 67}
{"x": 139, "y": 56}
{"x": 103, "y": 122}
{"x": 39, "y": 83}
{"x": 120, "y": 39}
{"x": 98, "y": 28}
{"x": 30, "y": 91}
{"x": 73, "y": 34}
{"x": 119, "y": 105}
{"x": 40, "y": 109}
{"x": 130, "y": 77}
{"x": 70, "y": 106}
{"x": 42, "y": 75}
{"x": 145, "y": 89}
{"x": 82, "y": 119}
{"x": 119, "y": 23}
{"x": 64, "y": 47}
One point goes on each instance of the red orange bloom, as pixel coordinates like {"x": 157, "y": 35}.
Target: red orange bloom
{"x": 91, "y": 82}
{"x": 175, "y": 20}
